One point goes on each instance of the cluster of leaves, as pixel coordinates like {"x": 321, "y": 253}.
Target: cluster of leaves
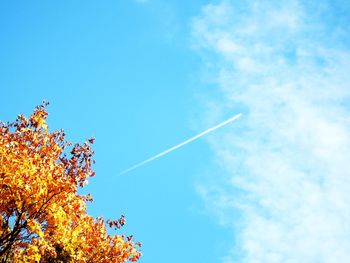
{"x": 42, "y": 217}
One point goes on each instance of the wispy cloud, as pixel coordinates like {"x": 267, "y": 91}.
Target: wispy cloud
{"x": 287, "y": 65}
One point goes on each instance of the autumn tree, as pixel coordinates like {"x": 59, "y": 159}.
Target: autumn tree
{"x": 42, "y": 216}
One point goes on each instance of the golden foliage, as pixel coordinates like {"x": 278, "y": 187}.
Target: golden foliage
{"x": 42, "y": 217}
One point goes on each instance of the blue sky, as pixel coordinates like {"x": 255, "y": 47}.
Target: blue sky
{"x": 141, "y": 76}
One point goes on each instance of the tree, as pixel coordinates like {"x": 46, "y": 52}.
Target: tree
{"x": 42, "y": 217}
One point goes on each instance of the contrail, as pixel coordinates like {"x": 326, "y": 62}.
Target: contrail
{"x": 232, "y": 119}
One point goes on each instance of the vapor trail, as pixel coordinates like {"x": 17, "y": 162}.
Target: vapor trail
{"x": 232, "y": 119}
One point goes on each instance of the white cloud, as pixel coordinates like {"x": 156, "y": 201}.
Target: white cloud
{"x": 286, "y": 65}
